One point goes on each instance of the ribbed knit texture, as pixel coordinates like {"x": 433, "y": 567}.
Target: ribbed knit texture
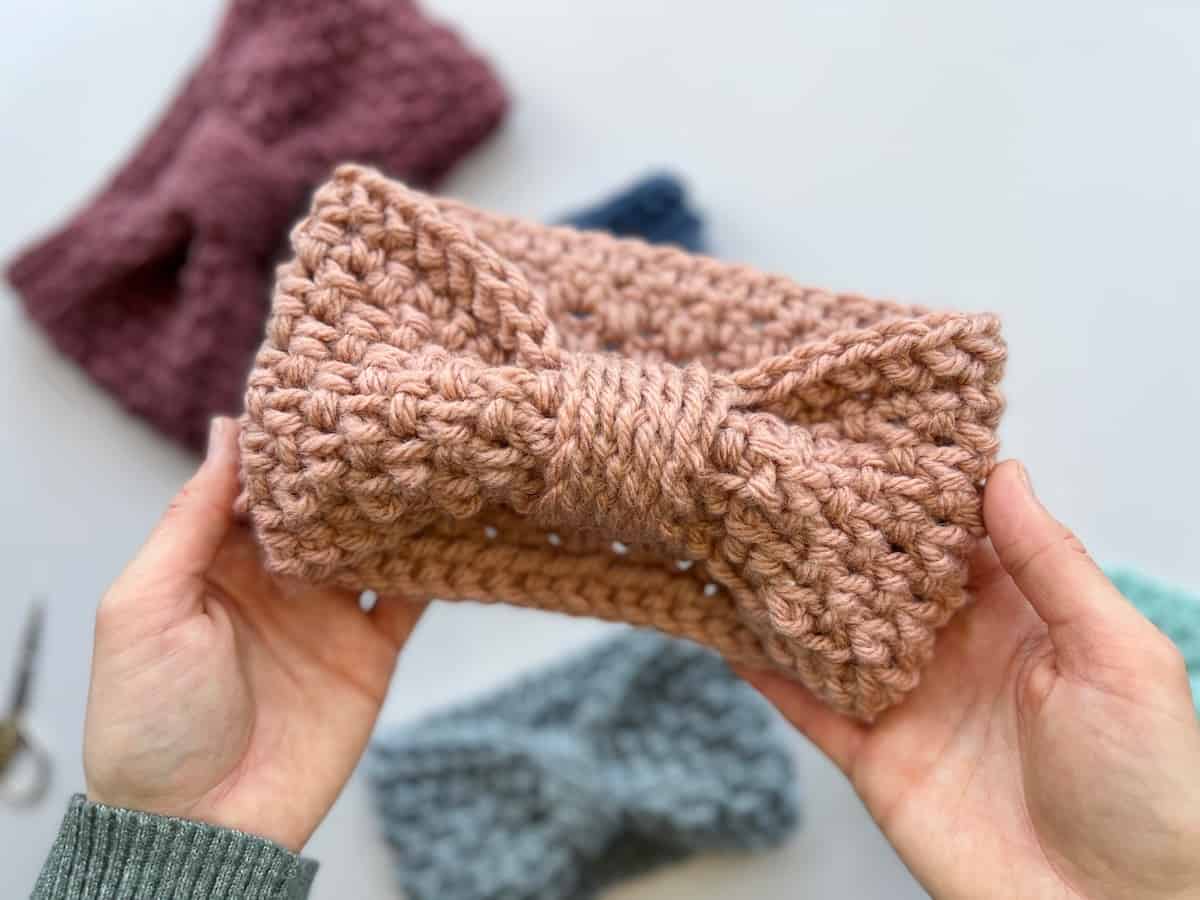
{"x": 456, "y": 404}
{"x": 1176, "y": 612}
{"x": 640, "y": 751}
{"x": 159, "y": 286}
{"x": 654, "y": 208}
{"x": 105, "y": 853}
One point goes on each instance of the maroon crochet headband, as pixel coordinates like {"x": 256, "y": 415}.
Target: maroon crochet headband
{"x": 159, "y": 286}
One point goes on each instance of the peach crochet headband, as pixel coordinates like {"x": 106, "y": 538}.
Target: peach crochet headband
{"x": 457, "y": 404}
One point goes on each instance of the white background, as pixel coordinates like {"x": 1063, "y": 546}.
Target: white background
{"x": 1038, "y": 160}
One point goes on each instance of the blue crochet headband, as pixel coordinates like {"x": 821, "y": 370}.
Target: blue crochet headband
{"x": 642, "y": 751}
{"x": 654, "y": 208}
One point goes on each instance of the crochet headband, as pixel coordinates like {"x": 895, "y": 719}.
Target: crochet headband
{"x": 654, "y": 208}
{"x": 638, "y": 752}
{"x": 158, "y": 288}
{"x": 462, "y": 405}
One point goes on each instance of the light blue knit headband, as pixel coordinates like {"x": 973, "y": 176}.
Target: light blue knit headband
{"x": 642, "y": 751}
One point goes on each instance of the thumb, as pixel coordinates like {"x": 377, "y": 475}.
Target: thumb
{"x": 1085, "y": 614}
{"x": 186, "y": 539}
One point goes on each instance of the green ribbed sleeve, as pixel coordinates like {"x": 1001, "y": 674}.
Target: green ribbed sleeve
{"x": 106, "y": 853}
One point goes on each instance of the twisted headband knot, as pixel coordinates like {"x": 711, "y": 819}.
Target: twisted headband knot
{"x": 231, "y": 191}
{"x": 456, "y": 404}
{"x": 632, "y": 448}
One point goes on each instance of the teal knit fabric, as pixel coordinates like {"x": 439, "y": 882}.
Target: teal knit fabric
{"x": 642, "y": 751}
{"x": 1176, "y": 613}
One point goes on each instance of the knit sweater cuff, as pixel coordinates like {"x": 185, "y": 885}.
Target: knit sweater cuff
{"x": 103, "y": 851}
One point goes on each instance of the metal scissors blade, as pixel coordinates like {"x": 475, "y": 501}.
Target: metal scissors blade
{"x": 25, "y": 767}
{"x": 31, "y": 643}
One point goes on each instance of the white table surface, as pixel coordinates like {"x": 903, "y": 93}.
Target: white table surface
{"x": 1038, "y": 160}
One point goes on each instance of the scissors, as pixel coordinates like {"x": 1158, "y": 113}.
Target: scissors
{"x": 24, "y": 764}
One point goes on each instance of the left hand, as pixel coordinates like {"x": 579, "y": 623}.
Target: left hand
{"x": 221, "y": 693}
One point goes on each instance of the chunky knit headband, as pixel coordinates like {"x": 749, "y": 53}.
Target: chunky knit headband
{"x": 456, "y": 404}
{"x": 159, "y": 287}
{"x": 639, "y": 752}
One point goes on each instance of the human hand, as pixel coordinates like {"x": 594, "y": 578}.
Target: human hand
{"x": 221, "y": 693}
{"x": 1051, "y": 749}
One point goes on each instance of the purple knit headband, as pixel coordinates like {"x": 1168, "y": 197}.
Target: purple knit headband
{"x": 158, "y": 287}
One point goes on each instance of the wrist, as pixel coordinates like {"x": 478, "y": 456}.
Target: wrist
{"x": 275, "y": 824}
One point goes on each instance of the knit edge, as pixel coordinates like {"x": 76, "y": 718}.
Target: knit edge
{"x": 106, "y": 848}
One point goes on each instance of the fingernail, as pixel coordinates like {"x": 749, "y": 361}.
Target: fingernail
{"x": 1025, "y": 479}
{"x": 216, "y": 431}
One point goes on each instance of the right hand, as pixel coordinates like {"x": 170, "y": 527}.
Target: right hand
{"x": 1051, "y": 749}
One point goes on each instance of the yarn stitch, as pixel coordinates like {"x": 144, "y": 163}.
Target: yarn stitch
{"x": 455, "y": 404}
{"x": 159, "y": 287}
{"x": 1175, "y": 612}
{"x": 640, "y": 752}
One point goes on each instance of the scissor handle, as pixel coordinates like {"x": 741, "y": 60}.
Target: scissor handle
{"x": 26, "y": 792}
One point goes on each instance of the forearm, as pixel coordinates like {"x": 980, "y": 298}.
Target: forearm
{"x": 104, "y": 851}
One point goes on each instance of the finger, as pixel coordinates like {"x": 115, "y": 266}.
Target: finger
{"x": 1048, "y": 563}
{"x": 397, "y": 617}
{"x": 186, "y": 540}
{"x": 834, "y": 735}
